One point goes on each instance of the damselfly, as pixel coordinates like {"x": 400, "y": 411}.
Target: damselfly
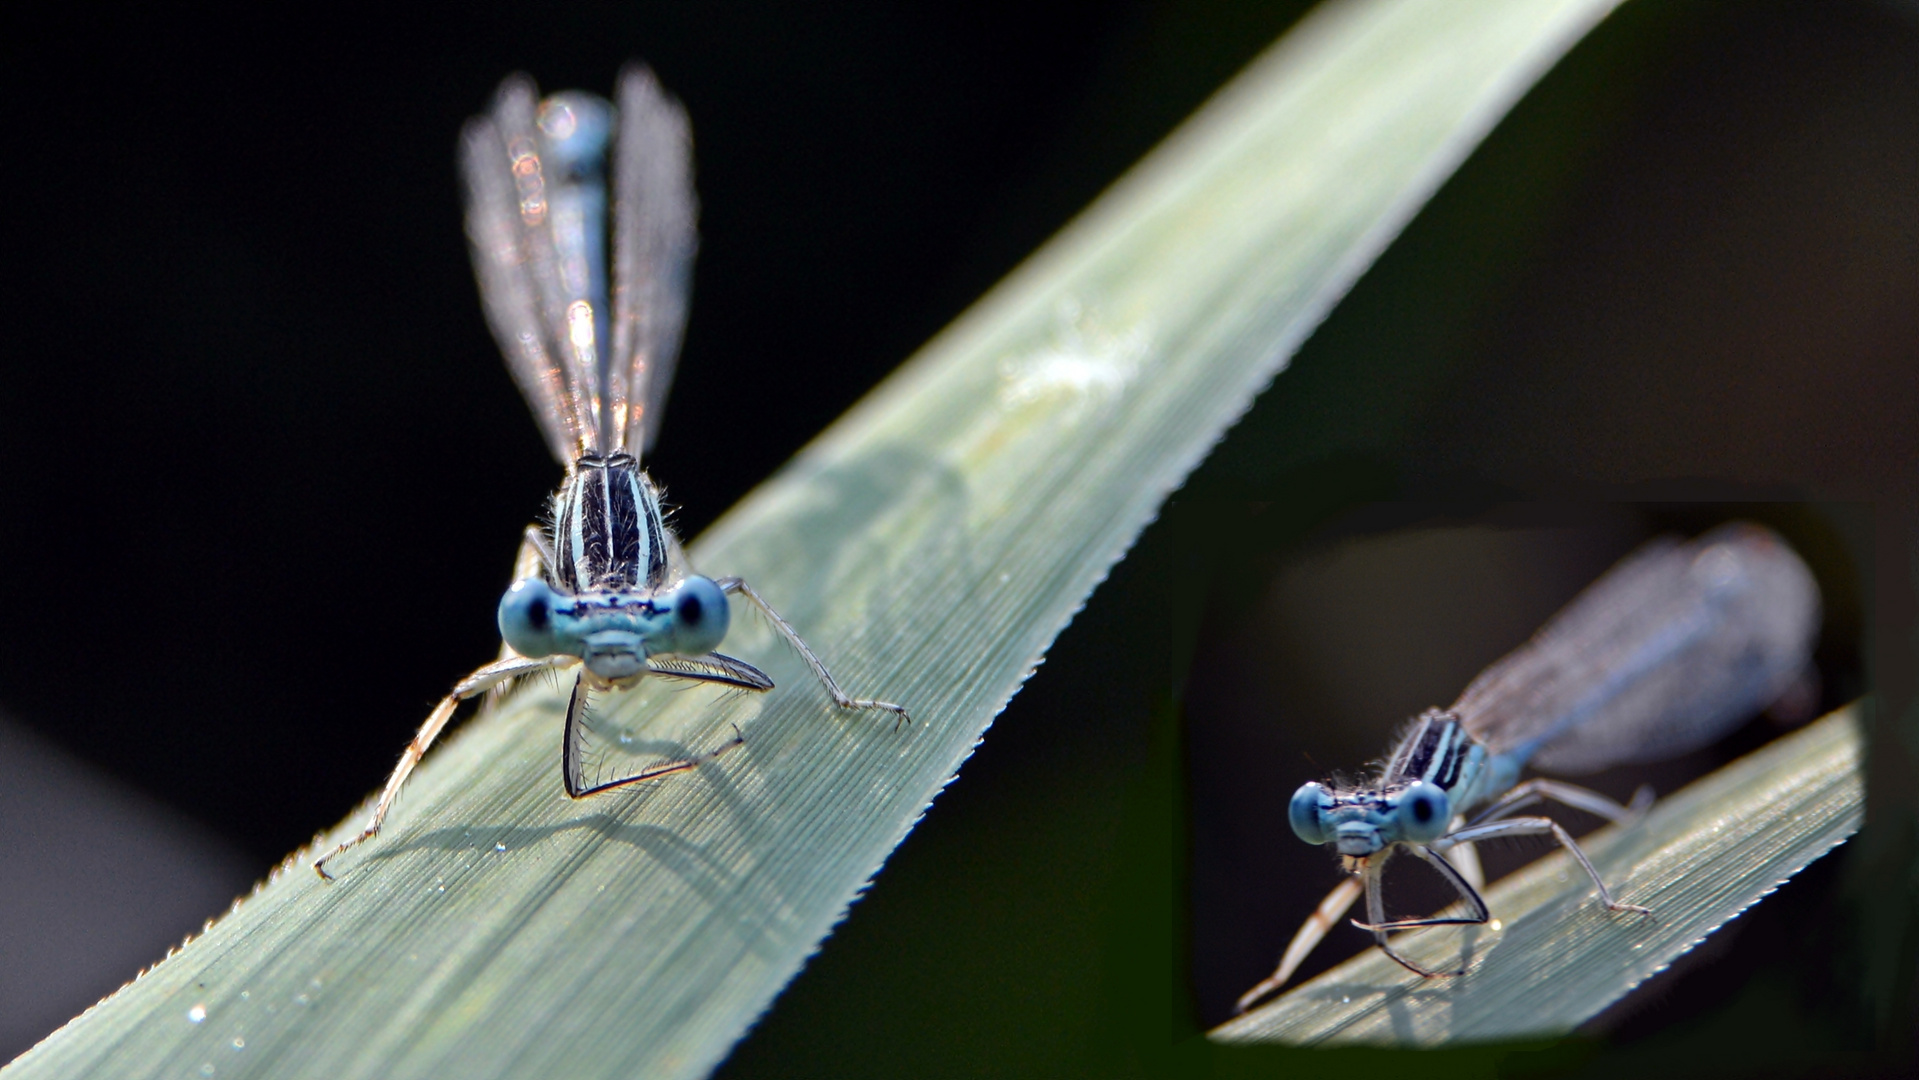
{"x": 604, "y": 585}
{"x": 1665, "y": 653}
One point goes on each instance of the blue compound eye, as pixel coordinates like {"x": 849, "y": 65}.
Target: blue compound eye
{"x": 526, "y": 618}
{"x": 700, "y": 617}
{"x": 1304, "y": 813}
{"x": 1424, "y": 812}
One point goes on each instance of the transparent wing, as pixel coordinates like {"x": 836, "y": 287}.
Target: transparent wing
{"x": 507, "y": 291}
{"x": 654, "y": 240}
{"x": 1669, "y": 650}
{"x": 534, "y": 279}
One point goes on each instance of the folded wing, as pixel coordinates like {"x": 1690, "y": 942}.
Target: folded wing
{"x": 654, "y": 241}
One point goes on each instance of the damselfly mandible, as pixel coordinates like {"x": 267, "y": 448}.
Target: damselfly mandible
{"x": 604, "y": 586}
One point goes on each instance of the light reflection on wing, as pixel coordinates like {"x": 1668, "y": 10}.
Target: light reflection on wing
{"x": 506, "y": 290}
{"x": 510, "y": 229}
{"x": 654, "y": 213}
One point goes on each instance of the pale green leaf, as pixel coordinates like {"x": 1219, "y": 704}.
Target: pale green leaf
{"x": 930, "y": 545}
{"x": 1555, "y": 957}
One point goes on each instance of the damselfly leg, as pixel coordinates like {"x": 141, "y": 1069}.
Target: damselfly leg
{"x": 734, "y": 586}
{"x": 486, "y": 678}
{"x": 1461, "y": 870}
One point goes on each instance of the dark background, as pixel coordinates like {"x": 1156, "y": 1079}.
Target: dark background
{"x": 263, "y": 473}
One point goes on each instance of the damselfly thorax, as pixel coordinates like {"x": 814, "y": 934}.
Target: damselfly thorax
{"x": 608, "y": 531}
{"x": 604, "y": 588}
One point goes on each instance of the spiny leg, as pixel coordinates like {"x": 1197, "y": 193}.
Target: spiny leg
{"x": 666, "y": 768}
{"x": 1336, "y": 904}
{"x": 1465, "y": 858}
{"x": 1376, "y": 911}
{"x": 1453, "y": 877}
{"x": 1541, "y": 789}
{"x": 1535, "y": 826}
{"x": 1310, "y": 934}
{"x": 1373, "y": 874}
{"x": 1460, "y": 842}
{"x": 1500, "y": 828}
{"x": 479, "y": 682}
{"x": 840, "y": 697}
{"x": 576, "y": 786}
{"x": 717, "y": 668}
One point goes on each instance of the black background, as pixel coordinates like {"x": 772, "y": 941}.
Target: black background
{"x": 263, "y": 473}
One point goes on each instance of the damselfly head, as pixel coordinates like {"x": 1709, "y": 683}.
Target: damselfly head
{"x": 1360, "y": 823}
{"x": 614, "y": 633}
{"x": 1356, "y": 822}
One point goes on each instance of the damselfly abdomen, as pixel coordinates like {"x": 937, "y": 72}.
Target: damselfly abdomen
{"x": 604, "y": 587}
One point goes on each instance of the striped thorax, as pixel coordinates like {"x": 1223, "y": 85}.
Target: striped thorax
{"x": 607, "y": 530}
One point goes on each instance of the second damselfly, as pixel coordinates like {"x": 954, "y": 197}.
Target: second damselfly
{"x": 1666, "y": 652}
